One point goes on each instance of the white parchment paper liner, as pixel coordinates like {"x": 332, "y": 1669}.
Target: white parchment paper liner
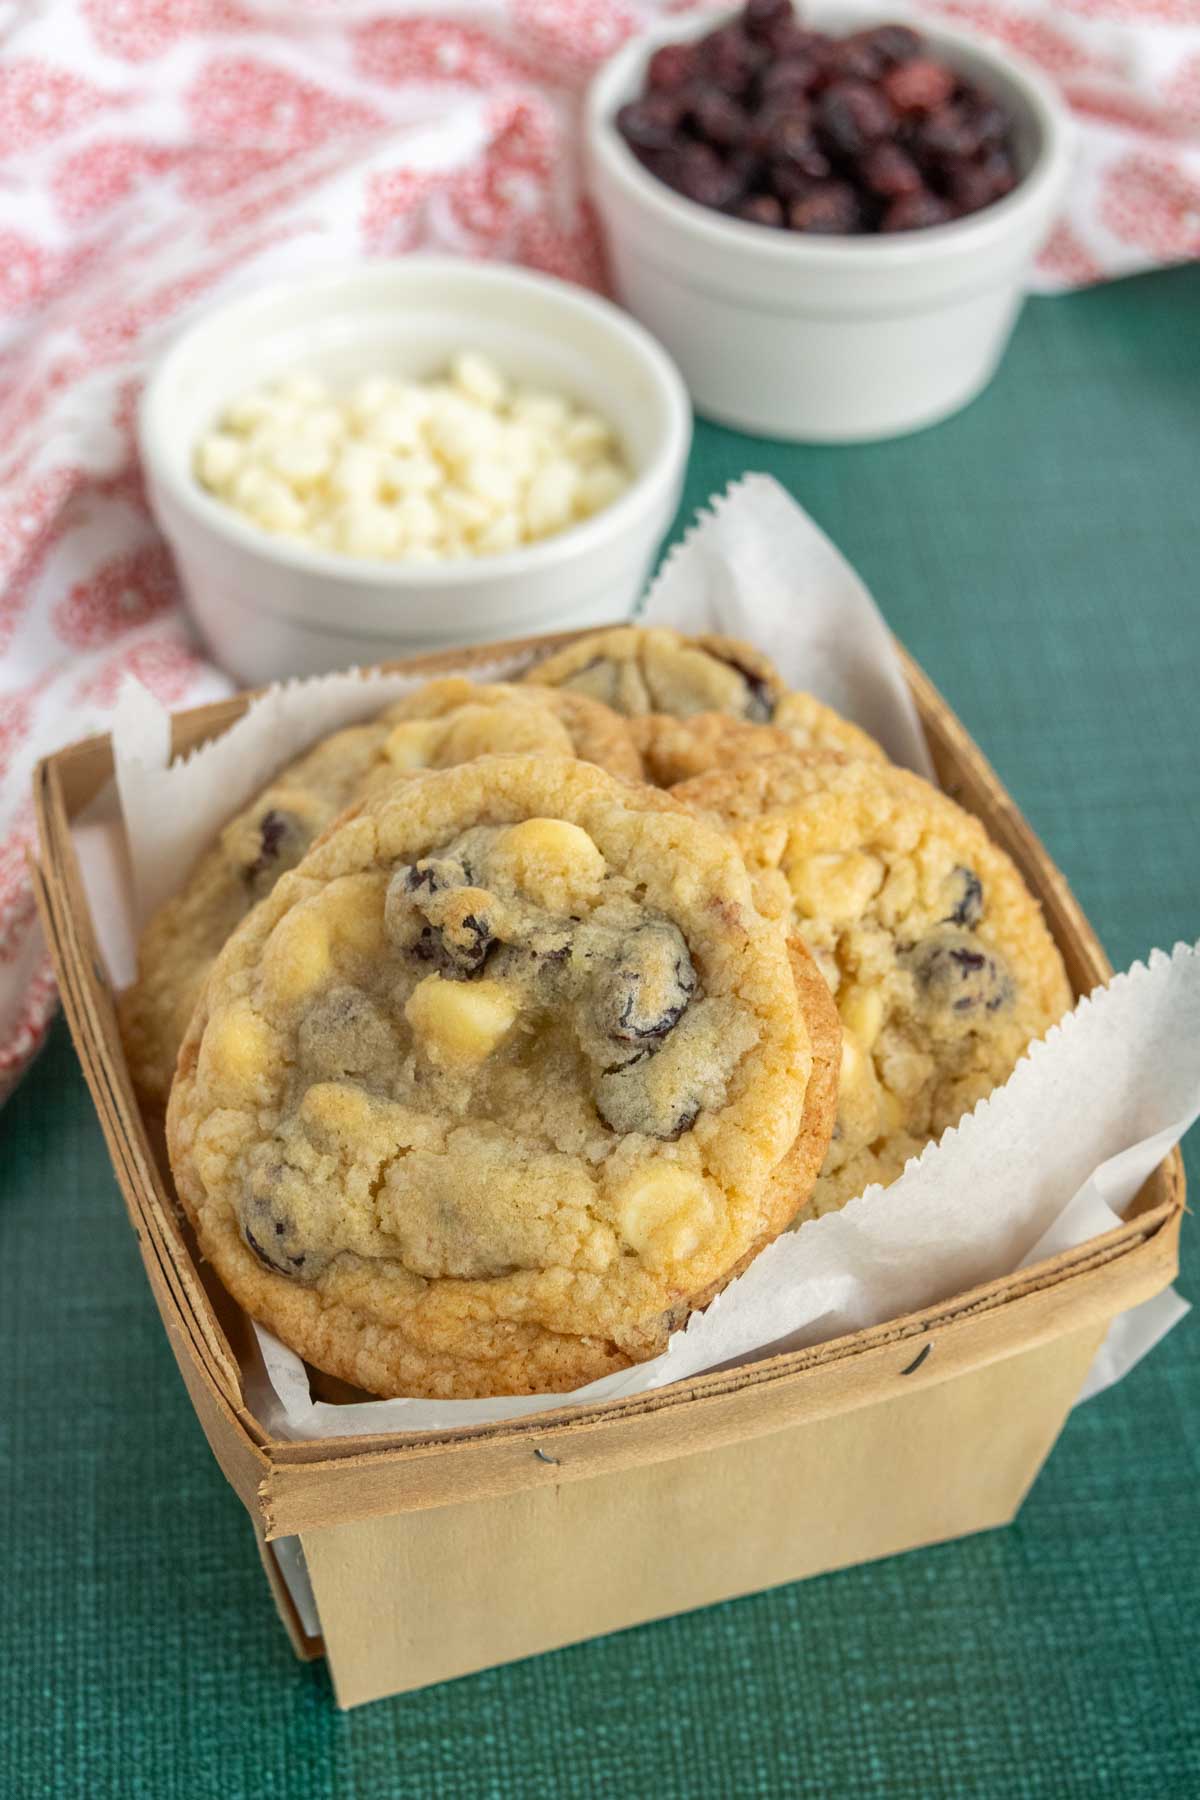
{"x": 1045, "y": 1163}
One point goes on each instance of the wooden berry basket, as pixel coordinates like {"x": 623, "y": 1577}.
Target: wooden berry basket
{"x": 435, "y": 1555}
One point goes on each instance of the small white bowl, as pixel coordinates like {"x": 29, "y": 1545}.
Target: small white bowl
{"x": 827, "y": 339}
{"x": 269, "y": 606}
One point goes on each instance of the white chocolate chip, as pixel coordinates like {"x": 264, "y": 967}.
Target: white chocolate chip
{"x": 357, "y": 474}
{"x": 665, "y": 1213}
{"x": 861, "y": 1010}
{"x": 458, "y": 1023}
{"x": 218, "y": 459}
{"x": 551, "y": 497}
{"x": 552, "y": 861}
{"x": 836, "y": 888}
{"x": 269, "y": 501}
{"x": 479, "y": 379}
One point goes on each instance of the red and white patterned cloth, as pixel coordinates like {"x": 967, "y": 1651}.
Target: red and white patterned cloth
{"x": 159, "y": 155}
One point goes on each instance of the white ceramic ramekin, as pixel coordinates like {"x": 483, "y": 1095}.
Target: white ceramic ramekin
{"x": 269, "y": 607}
{"x": 826, "y": 339}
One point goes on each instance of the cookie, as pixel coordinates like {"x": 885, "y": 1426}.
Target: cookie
{"x": 675, "y": 750}
{"x": 637, "y": 669}
{"x": 811, "y": 725}
{"x": 497, "y": 1084}
{"x": 443, "y": 723}
{"x": 688, "y": 697}
{"x": 937, "y": 954}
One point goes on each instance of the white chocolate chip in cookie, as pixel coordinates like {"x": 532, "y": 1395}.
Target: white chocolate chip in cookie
{"x": 665, "y": 1213}
{"x": 838, "y": 888}
{"x": 458, "y": 1023}
{"x": 861, "y": 1010}
{"x": 551, "y": 861}
{"x": 490, "y": 731}
{"x": 296, "y": 958}
{"x": 413, "y": 744}
{"x": 893, "y": 1113}
{"x": 236, "y": 1051}
{"x": 353, "y": 909}
{"x": 858, "y": 1091}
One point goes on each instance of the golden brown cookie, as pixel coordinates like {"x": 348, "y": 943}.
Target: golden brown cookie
{"x": 499, "y": 1084}
{"x": 675, "y": 750}
{"x": 440, "y": 724}
{"x": 638, "y": 669}
{"x": 938, "y": 956}
{"x": 811, "y": 725}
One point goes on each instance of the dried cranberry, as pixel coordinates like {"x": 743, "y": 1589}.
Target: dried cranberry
{"x": 731, "y": 59}
{"x": 953, "y": 974}
{"x": 888, "y": 171}
{"x": 651, "y": 123}
{"x": 761, "y": 17}
{"x": 895, "y": 43}
{"x": 783, "y": 130}
{"x": 748, "y": 169}
{"x": 967, "y": 890}
{"x": 788, "y": 38}
{"x": 699, "y": 173}
{"x": 717, "y": 118}
{"x": 948, "y": 133}
{"x": 992, "y": 124}
{"x": 858, "y": 59}
{"x": 968, "y": 187}
{"x": 282, "y": 840}
{"x": 830, "y": 206}
{"x": 672, "y": 66}
{"x": 1001, "y": 172}
{"x": 914, "y": 212}
{"x": 760, "y": 209}
{"x": 851, "y": 115}
{"x": 919, "y": 85}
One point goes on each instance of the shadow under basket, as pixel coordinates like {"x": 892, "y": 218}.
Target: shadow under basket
{"x": 436, "y": 1555}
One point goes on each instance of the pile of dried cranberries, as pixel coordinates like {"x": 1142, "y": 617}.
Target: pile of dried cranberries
{"x": 793, "y": 129}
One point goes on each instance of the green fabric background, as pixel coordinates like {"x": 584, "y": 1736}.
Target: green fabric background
{"x": 1039, "y": 555}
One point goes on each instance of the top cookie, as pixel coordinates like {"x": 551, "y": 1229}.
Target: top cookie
{"x": 938, "y": 955}
{"x": 638, "y": 669}
{"x": 441, "y": 724}
{"x": 696, "y": 701}
{"x": 496, "y": 1083}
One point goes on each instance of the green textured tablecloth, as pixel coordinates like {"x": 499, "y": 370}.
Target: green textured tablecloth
{"x": 1039, "y": 554}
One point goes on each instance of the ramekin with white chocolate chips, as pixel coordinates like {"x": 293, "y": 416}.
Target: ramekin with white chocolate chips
{"x": 941, "y": 964}
{"x": 507, "y": 1075}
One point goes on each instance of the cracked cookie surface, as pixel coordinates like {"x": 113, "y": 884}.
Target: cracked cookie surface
{"x": 675, "y": 750}
{"x": 507, "y": 1076}
{"x": 937, "y": 954}
{"x": 637, "y": 669}
{"x": 694, "y": 702}
{"x": 443, "y": 723}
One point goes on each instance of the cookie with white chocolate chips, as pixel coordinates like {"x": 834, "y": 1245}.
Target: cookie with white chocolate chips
{"x": 675, "y": 750}
{"x": 638, "y": 669}
{"x": 694, "y": 702}
{"x": 938, "y": 955}
{"x": 441, "y": 724}
{"x": 497, "y": 1083}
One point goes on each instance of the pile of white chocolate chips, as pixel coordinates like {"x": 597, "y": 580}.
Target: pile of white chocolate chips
{"x": 465, "y": 465}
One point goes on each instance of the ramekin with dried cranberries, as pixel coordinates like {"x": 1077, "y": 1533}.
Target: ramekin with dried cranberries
{"x": 829, "y": 221}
